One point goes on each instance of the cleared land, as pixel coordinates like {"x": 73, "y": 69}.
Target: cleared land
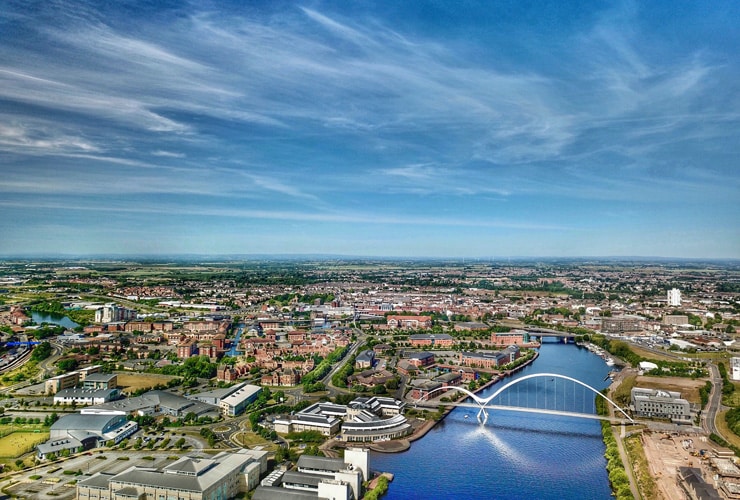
{"x": 689, "y": 388}
{"x": 130, "y": 382}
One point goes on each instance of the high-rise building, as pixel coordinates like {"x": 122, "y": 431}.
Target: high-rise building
{"x": 674, "y": 297}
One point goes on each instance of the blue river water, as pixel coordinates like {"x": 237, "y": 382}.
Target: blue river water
{"x": 514, "y": 455}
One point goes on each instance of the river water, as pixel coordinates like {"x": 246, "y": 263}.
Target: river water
{"x": 515, "y": 455}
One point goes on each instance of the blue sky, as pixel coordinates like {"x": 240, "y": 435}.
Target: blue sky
{"x": 447, "y": 129}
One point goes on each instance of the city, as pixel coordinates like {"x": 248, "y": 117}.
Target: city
{"x": 262, "y": 365}
{"x": 329, "y": 249}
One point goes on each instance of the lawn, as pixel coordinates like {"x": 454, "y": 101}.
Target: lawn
{"x": 18, "y": 443}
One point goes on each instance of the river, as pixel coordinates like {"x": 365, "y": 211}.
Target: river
{"x": 515, "y": 455}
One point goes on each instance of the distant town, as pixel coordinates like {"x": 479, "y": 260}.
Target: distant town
{"x": 279, "y": 379}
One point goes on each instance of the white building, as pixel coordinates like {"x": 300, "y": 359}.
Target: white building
{"x": 235, "y": 403}
{"x": 674, "y": 297}
{"x": 735, "y": 368}
{"x": 319, "y": 478}
{"x": 111, "y": 313}
{"x": 656, "y": 403}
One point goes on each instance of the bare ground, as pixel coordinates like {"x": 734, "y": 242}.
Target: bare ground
{"x": 689, "y": 388}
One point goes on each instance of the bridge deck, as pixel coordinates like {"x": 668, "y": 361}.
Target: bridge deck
{"x": 615, "y": 420}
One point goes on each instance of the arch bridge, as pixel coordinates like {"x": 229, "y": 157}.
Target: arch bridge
{"x": 548, "y": 398}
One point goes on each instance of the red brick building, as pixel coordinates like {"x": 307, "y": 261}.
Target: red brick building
{"x": 409, "y": 322}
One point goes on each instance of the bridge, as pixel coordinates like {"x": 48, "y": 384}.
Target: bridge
{"x": 546, "y": 332}
{"x": 548, "y": 393}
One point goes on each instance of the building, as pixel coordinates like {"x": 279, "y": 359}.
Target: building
{"x": 222, "y": 476}
{"x": 72, "y": 379}
{"x": 81, "y": 396}
{"x": 515, "y": 337}
{"x": 321, "y": 417}
{"x": 621, "y": 324}
{"x": 157, "y": 403}
{"x": 735, "y": 368}
{"x": 186, "y": 348}
{"x": 409, "y": 322}
{"x": 111, "y": 313}
{"x": 367, "y": 427}
{"x": 656, "y": 403}
{"x": 676, "y": 319}
{"x": 100, "y": 381}
{"x": 319, "y": 478}
{"x": 490, "y": 359}
{"x": 61, "y": 382}
{"x": 420, "y": 359}
{"x": 374, "y": 419}
{"x": 235, "y": 403}
{"x": 431, "y": 340}
{"x": 421, "y": 389}
{"x": 674, "y": 297}
{"x": 365, "y": 359}
{"x": 691, "y": 481}
{"x": 85, "y": 431}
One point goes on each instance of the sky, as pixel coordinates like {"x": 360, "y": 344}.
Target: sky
{"x": 416, "y": 128}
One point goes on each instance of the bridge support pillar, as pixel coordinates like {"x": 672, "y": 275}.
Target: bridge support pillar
{"x": 482, "y": 416}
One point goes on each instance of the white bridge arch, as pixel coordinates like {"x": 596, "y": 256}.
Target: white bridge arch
{"x": 484, "y": 402}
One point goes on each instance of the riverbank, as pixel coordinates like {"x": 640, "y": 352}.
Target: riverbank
{"x": 400, "y": 445}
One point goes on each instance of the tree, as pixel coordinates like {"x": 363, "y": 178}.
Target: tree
{"x": 67, "y": 365}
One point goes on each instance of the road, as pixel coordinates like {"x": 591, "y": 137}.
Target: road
{"x": 714, "y": 405}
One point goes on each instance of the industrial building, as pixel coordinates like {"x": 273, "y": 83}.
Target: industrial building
{"x": 222, "y": 476}
{"x": 85, "y": 431}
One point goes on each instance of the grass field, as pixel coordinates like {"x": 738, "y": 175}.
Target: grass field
{"x": 18, "y": 443}
{"x": 724, "y": 429}
{"x": 250, "y": 439}
{"x": 638, "y": 461}
{"x": 650, "y": 354}
{"x": 129, "y": 382}
{"x": 734, "y": 398}
{"x": 26, "y": 372}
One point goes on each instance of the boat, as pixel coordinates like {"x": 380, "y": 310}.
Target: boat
{"x": 609, "y": 362}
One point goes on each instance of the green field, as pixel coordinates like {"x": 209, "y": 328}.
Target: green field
{"x": 19, "y": 443}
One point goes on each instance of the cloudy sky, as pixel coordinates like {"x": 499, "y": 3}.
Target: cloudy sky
{"x": 419, "y": 128}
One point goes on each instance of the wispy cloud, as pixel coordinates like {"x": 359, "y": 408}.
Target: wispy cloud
{"x": 315, "y": 113}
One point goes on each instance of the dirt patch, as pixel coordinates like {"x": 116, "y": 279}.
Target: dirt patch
{"x": 689, "y": 388}
{"x": 665, "y": 454}
{"x": 130, "y": 382}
